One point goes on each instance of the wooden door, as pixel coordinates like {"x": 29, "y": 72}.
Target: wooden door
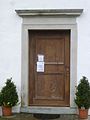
{"x": 50, "y": 87}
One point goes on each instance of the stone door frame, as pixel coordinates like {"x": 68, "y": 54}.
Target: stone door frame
{"x": 59, "y": 19}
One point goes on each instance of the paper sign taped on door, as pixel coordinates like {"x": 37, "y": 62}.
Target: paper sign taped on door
{"x": 40, "y": 66}
{"x": 40, "y": 58}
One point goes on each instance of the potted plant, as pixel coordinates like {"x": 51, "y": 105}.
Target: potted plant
{"x": 82, "y": 99}
{"x": 8, "y": 97}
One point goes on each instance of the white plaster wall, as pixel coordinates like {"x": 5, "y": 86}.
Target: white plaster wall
{"x": 10, "y": 45}
{"x": 10, "y": 35}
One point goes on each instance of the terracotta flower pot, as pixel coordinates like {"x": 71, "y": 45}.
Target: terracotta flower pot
{"x": 6, "y": 111}
{"x": 83, "y": 113}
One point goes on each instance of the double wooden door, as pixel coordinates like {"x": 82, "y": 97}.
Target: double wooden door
{"x": 49, "y": 68}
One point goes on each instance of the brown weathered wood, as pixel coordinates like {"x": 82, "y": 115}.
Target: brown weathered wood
{"x": 51, "y": 87}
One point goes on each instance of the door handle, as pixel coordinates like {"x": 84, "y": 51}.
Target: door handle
{"x": 67, "y": 69}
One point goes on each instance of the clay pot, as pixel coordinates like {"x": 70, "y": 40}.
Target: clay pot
{"x": 6, "y": 111}
{"x": 83, "y": 113}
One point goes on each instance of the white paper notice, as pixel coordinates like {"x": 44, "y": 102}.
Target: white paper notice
{"x": 40, "y": 66}
{"x": 41, "y": 58}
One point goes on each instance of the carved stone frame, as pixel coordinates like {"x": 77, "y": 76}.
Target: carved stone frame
{"x": 59, "y": 19}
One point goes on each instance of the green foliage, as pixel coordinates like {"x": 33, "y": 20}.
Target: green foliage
{"x": 83, "y": 94}
{"x": 8, "y": 94}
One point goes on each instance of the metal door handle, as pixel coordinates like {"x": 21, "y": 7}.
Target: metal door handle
{"x": 67, "y": 69}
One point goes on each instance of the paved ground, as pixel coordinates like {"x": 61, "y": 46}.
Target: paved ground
{"x": 23, "y": 116}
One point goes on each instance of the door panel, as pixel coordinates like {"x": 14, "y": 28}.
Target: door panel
{"x": 51, "y": 87}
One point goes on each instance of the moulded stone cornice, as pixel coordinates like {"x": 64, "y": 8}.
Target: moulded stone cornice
{"x": 49, "y": 12}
